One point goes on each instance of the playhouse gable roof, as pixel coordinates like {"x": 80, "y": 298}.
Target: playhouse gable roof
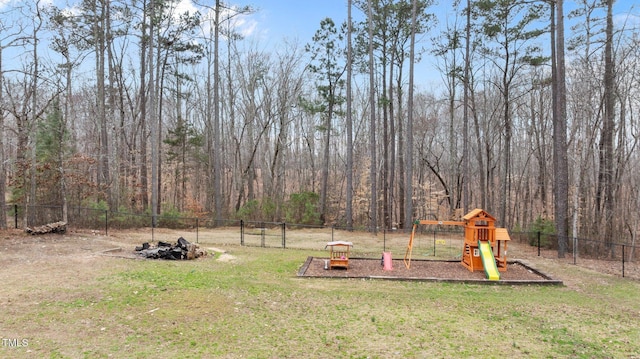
{"x": 478, "y": 213}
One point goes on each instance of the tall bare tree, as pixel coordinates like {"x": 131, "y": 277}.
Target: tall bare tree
{"x": 216, "y": 154}
{"x": 409, "y": 152}
{"x": 447, "y": 50}
{"x": 96, "y": 13}
{"x": 349, "y": 121}
{"x": 10, "y": 37}
{"x": 37, "y": 24}
{"x": 152, "y": 110}
{"x": 63, "y": 43}
{"x": 373, "y": 204}
{"x": 561, "y": 165}
{"x": 604, "y": 194}
{"x": 465, "y": 103}
{"x": 507, "y": 26}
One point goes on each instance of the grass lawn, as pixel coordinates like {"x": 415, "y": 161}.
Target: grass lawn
{"x": 251, "y": 304}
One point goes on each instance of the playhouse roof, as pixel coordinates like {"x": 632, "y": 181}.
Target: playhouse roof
{"x": 502, "y": 234}
{"x": 339, "y": 243}
{"x": 476, "y": 213}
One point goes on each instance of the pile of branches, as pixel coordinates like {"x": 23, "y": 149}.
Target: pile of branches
{"x": 57, "y": 227}
{"x": 182, "y": 249}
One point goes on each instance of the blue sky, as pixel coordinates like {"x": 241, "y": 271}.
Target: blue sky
{"x": 276, "y": 20}
{"x": 302, "y": 17}
{"x": 296, "y": 18}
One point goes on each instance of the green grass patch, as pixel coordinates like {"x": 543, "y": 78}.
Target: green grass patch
{"x": 255, "y": 306}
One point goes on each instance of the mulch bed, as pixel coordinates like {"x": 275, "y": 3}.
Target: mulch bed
{"x": 424, "y": 270}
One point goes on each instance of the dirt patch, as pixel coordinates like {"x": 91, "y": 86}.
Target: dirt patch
{"x": 426, "y": 270}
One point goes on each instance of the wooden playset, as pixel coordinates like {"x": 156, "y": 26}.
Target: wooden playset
{"x": 339, "y": 254}
{"x": 485, "y": 246}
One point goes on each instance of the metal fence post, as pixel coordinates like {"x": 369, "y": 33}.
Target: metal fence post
{"x": 242, "y": 232}
{"x": 15, "y": 215}
{"x": 384, "y": 241}
{"x": 434, "y": 242}
{"x": 623, "y": 261}
{"x": 197, "y": 231}
{"x": 538, "y": 243}
{"x": 284, "y": 235}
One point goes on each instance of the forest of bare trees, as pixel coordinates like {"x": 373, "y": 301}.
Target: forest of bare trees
{"x": 138, "y": 106}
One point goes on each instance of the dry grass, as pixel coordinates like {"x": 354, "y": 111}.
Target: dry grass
{"x": 68, "y": 300}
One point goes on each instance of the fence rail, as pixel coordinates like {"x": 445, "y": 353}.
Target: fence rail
{"x": 433, "y": 241}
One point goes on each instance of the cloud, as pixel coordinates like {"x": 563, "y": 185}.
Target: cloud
{"x": 626, "y": 20}
{"x": 184, "y": 6}
{"x": 243, "y": 24}
{"x": 5, "y": 3}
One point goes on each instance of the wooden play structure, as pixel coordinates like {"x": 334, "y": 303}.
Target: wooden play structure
{"x": 339, "y": 254}
{"x": 485, "y": 246}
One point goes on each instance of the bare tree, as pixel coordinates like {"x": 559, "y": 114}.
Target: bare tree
{"x": 561, "y": 164}
{"x": 216, "y": 155}
{"x": 10, "y": 37}
{"x": 373, "y": 204}
{"x": 216, "y": 16}
{"x": 447, "y": 50}
{"x": 465, "y": 126}
{"x": 349, "y": 119}
{"x": 508, "y": 27}
{"x": 604, "y": 193}
{"x": 63, "y": 43}
{"x": 286, "y": 89}
{"x": 408, "y": 195}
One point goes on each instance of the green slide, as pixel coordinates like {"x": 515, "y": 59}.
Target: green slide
{"x": 488, "y": 261}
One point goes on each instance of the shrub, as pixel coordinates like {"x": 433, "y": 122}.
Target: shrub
{"x": 547, "y": 230}
{"x": 172, "y": 218}
{"x": 122, "y": 219}
{"x": 302, "y": 208}
{"x": 249, "y": 211}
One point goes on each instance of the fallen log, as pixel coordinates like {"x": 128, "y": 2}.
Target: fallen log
{"x": 57, "y": 227}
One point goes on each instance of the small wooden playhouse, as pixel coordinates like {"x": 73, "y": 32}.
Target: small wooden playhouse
{"x": 479, "y": 228}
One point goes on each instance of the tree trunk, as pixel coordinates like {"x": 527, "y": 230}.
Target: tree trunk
{"x": 465, "y": 119}
{"x": 3, "y": 169}
{"x": 606, "y": 175}
{"x": 326, "y": 157}
{"x": 349, "y": 119}
{"x": 217, "y": 145}
{"x": 560, "y": 136}
{"x": 153, "y": 120}
{"x": 373, "y": 204}
{"x": 31, "y": 198}
{"x": 100, "y": 42}
{"x": 408, "y": 195}
{"x": 144, "y": 48}
{"x": 384, "y": 180}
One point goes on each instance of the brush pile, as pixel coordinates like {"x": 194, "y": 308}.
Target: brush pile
{"x": 182, "y": 249}
{"x": 57, "y": 227}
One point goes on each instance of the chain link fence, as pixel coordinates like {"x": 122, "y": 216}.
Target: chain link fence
{"x": 430, "y": 241}
{"x": 620, "y": 256}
